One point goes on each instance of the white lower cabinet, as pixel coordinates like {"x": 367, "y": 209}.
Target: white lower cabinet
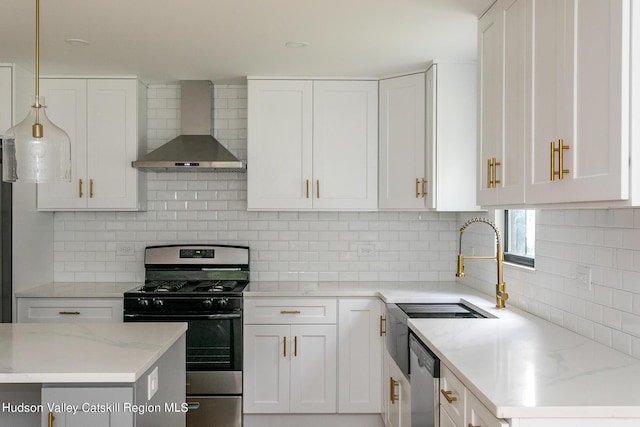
{"x": 65, "y": 310}
{"x": 459, "y": 407}
{"x": 290, "y": 369}
{"x": 290, "y": 361}
{"x": 397, "y": 395}
{"x": 359, "y": 355}
{"x": 312, "y": 355}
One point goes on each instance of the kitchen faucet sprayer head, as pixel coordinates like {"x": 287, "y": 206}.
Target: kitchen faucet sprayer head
{"x": 480, "y": 219}
{"x": 460, "y": 272}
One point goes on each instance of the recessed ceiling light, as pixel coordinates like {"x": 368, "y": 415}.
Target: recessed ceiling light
{"x": 296, "y": 45}
{"x": 77, "y": 42}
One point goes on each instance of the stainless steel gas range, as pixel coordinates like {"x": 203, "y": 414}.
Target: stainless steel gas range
{"x": 201, "y": 285}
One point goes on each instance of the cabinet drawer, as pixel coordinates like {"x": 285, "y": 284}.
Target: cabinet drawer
{"x": 479, "y": 415}
{"x": 61, "y": 310}
{"x": 455, "y": 391}
{"x": 290, "y": 310}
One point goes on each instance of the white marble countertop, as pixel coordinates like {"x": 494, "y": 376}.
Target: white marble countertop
{"x": 82, "y": 352}
{"x": 78, "y": 290}
{"x": 518, "y": 365}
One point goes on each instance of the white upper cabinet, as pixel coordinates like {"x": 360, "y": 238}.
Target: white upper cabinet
{"x": 501, "y": 101}
{"x": 428, "y": 139}
{"x": 402, "y": 142}
{"x": 580, "y": 82}
{"x": 312, "y": 145}
{"x": 106, "y": 122}
{"x": 280, "y": 150}
{"x": 555, "y": 103}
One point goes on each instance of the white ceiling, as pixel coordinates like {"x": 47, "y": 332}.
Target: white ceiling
{"x": 226, "y": 40}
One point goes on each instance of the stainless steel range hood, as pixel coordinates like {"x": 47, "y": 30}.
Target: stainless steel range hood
{"x": 195, "y": 150}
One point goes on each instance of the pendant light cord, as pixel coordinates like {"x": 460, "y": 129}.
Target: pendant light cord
{"x": 37, "y": 130}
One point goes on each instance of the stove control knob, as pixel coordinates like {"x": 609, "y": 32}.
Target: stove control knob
{"x": 143, "y": 302}
{"x": 207, "y": 303}
{"x": 158, "y": 303}
{"x": 223, "y": 302}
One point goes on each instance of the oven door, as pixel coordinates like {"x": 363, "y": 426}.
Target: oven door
{"x": 214, "y": 342}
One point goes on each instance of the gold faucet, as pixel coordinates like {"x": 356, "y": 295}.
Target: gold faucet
{"x": 501, "y": 295}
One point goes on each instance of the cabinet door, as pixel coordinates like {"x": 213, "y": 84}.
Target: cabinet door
{"x": 113, "y": 144}
{"x": 402, "y": 142}
{"x": 501, "y": 91}
{"x": 359, "y": 355}
{"x": 345, "y": 144}
{"x": 266, "y": 368}
{"x": 6, "y": 97}
{"x": 66, "y": 101}
{"x": 451, "y": 386}
{"x": 313, "y": 369}
{"x": 60, "y": 400}
{"x": 399, "y": 405}
{"x": 579, "y": 100}
{"x": 279, "y": 142}
{"x": 445, "y": 419}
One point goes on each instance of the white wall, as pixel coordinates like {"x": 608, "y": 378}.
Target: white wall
{"x": 207, "y": 207}
{"x": 607, "y": 241}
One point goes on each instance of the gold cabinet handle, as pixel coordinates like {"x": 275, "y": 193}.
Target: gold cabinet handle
{"x": 417, "y": 190}
{"x": 552, "y": 160}
{"x": 50, "y": 419}
{"x": 80, "y": 188}
{"x": 383, "y": 324}
{"x": 393, "y": 397}
{"x": 307, "y": 188}
{"x": 447, "y": 395}
{"x": 69, "y": 313}
{"x": 471, "y": 425}
{"x": 295, "y": 346}
{"x": 285, "y": 347}
{"x": 492, "y": 173}
{"x": 317, "y": 188}
{"x": 289, "y": 311}
{"x": 424, "y": 188}
{"x": 91, "y": 188}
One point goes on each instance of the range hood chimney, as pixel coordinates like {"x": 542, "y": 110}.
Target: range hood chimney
{"x": 195, "y": 150}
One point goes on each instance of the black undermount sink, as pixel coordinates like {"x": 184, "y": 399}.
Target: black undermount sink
{"x": 439, "y": 310}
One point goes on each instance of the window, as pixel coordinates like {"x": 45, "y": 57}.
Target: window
{"x": 520, "y": 236}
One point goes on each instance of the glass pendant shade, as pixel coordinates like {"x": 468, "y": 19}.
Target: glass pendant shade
{"x": 36, "y": 150}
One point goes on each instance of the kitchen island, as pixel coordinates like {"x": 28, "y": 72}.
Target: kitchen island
{"x": 99, "y": 374}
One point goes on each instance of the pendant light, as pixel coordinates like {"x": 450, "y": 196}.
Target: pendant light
{"x": 36, "y": 150}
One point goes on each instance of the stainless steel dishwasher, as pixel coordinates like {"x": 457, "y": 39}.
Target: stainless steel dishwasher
{"x": 424, "y": 368}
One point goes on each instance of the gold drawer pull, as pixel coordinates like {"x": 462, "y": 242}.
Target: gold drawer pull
{"x": 424, "y": 190}
{"x": 307, "y": 188}
{"x": 471, "y": 425}
{"x": 80, "y": 188}
{"x": 393, "y": 397}
{"x": 90, "y": 188}
{"x": 69, "y": 313}
{"x": 417, "y": 188}
{"x": 295, "y": 346}
{"x": 289, "y": 311}
{"x": 447, "y": 395}
{"x": 285, "y": 347}
{"x": 383, "y": 324}
{"x": 50, "y": 419}
{"x": 317, "y": 189}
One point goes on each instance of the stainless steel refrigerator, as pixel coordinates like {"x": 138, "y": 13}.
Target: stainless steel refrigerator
{"x": 5, "y": 248}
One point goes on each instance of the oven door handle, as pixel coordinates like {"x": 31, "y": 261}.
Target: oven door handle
{"x": 178, "y": 318}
